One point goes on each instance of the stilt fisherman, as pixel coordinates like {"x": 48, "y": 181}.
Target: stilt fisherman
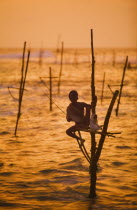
{"x": 78, "y": 112}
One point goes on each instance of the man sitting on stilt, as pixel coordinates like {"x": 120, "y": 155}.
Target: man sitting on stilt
{"x": 75, "y": 113}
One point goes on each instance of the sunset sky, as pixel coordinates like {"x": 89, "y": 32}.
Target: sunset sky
{"x": 45, "y": 22}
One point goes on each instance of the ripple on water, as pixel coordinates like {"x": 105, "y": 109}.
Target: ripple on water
{"x": 7, "y": 204}
{"x": 123, "y": 147}
{"x": 75, "y": 164}
{"x": 6, "y": 173}
{"x": 43, "y": 168}
{"x": 118, "y": 163}
{"x": 1, "y": 164}
{"x": 4, "y": 133}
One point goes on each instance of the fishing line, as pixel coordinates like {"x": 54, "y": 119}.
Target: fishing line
{"x": 49, "y": 97}
{"x": 54, "y": 103}
{"x": 44, "y": 93}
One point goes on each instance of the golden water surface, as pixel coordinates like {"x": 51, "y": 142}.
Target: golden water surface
{"x": 43, "y": 168}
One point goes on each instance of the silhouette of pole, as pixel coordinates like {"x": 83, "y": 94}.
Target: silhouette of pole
{"x": 113, "y": 57}
{"x": 93, "y": 171}
{"x": 50, "y": 87}
{"x": 110, "y": 89}
{"x": 22, "y": 85}
{"x": 105, "y": 126}
{"x": 102, "y": 88}
{"x": 93, "y": 96}
{"x": 121, "y": 86}
{"x": 93, "y": 140}
{"x": 61, "y": 66}
{"x": 58, "y": 43}
{"x": 41, "y": 52}
{"x": 95, "y": 152}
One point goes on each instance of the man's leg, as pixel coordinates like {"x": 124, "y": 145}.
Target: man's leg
{"x": 71, "y": 132}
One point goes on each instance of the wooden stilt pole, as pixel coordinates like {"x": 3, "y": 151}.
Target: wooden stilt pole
{"x": 103, "y": 82}
{"x": 83, "y": 148}
{"x": 41, "y": 51}
{"x": 93, "y": 140}
{"x": 105, "y": 126}
{"x": 95, "y": 152}
{"x": 22, "y": 85}
{"x": 96, "y": 157}
{"x": 121, "y": 86}
{"x": 93, "y": 96}
{"x": 61, "y": 66}
{"x": 114, "y": 57}
{"x": 110, "y": 89}
{"x": 50, "y": 89}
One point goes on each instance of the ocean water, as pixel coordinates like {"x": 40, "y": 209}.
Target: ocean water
{"x": 43, "y": 168}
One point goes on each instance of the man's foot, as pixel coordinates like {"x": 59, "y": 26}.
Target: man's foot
{"x": 82, "y": 140}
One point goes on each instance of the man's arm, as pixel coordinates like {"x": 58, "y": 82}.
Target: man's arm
{"x": 67, "y": 116}
{"x": 68, "y": 119}
{"x": 87, "y": 106}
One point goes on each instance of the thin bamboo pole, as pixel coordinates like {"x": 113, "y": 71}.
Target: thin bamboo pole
{"x": 110, "y": 89}
{"x": 103, "y": 82}
{"x": 22, "y": 85}
{"x": 50, "y": 89}
{"x": 58, "y": 43}
{"x": 49, "y": 97}
{"x": 41, "y": 52}
{"x": 61, "y": 67}
{"x": 95, "y": 154}
{"x": 93, "y": 96}
{"x": 93, "y": 139}
{"x": 83, "y": 148}
{"x": 22, "y": 74}
{"x": 113, "y": 57}
{"x": 105, "y": 126}
{"x": 121, "y": 86}
{"x": 24, "y": 79}
{"x": 96, "y": 157}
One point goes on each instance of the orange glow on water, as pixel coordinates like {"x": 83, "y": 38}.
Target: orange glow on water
{"x": 43, "y": 167}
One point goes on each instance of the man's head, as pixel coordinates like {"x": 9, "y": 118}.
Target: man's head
{"x": 73, "y": 96}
